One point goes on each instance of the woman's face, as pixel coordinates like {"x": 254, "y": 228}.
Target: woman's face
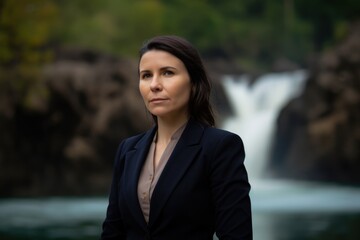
{"x": 164, "y": 85}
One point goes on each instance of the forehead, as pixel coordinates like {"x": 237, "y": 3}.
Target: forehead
{"x": 159, "y": 57}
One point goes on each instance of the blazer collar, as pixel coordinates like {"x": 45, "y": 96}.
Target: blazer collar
{"x": 135, "y": 159}
{"x": 179, "y": 161}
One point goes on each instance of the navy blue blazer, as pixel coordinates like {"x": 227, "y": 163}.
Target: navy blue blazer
{"x": 202, "y": 190}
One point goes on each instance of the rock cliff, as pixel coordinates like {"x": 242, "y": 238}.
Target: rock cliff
{"x": 67, "y": 143}
{"x": 318, "y": 134}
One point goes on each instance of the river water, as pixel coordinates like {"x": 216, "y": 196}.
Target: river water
{"x": 282, "y": 210}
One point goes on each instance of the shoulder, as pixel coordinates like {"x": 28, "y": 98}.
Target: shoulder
{"x": 130, "y": 142}
{"x": 133, "y": 140}
{"x": 217, "y": 134}
{"x": 222, "y": 149}
{"x": 216, "y": 139}
{"x": 197, "y": 132}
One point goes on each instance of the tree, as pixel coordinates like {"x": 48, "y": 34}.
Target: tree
{"x": 25, "y": 30}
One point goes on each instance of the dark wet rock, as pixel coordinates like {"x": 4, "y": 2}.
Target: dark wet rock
{"x": 318, "y": 134}
{"x": 65, "y": 143}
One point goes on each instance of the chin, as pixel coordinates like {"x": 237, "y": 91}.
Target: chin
{"x": 158, "y": 114}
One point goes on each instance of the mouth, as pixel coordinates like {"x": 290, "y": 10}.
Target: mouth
{"x": 157, "y": 100}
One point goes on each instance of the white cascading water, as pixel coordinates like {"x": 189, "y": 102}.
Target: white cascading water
{"x": 256, "y": 108}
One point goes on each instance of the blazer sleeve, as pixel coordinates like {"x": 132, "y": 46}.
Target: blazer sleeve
{"x": 112, "y": 227}
{"x": 230, "y": 190}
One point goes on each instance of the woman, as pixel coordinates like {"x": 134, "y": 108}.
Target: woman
{"x": 182, "y": 179}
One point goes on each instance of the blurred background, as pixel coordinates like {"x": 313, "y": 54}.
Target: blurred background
{"x": 286, "y": 78}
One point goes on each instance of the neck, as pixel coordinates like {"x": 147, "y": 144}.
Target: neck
{"x": 167, "y": 128}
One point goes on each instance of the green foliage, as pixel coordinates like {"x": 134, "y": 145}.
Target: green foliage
{"x": 253, "y": 30}
{"x": 25, "y": 29}
{"x": 256, "y": 32}
{"x": 195, "y": 20}
{"x": 113, "y": 26}
{"x": 328, "y": 19}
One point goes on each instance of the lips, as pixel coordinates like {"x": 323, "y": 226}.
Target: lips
{"x": 157, "y": 100}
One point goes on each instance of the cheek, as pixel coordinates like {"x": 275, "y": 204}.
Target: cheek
{"x": 184, "y": 93}
{"x": 144, "y": 92}
{"x": 142, "y": 89}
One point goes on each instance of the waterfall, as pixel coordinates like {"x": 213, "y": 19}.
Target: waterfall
{"x": 256, "y": 108}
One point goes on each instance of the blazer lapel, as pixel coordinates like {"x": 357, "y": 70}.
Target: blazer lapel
{"x": 134, "y": 161}
{"x": 184, "y": 153}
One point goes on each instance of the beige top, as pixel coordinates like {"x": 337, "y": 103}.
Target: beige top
{"x": 150, "y": 175}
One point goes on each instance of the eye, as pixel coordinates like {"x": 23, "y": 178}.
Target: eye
{"x": 168, "y": 73}
{"x": 145, "y": 75}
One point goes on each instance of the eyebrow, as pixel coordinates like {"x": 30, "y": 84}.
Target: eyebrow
{"x": 161, "y": 69}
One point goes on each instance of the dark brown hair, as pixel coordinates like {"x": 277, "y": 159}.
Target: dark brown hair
{"x": 199, "y": 104}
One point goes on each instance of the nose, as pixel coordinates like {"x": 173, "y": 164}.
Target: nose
{"x": 155, "y": 84}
